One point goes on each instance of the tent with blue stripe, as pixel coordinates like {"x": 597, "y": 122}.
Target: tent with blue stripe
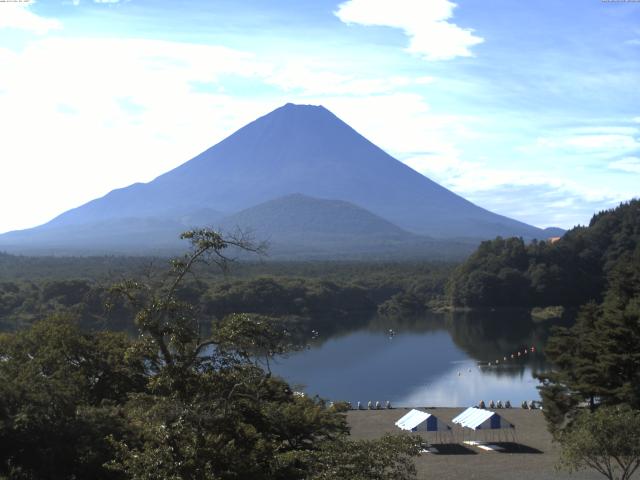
{"x": 480, "y": 419}
{"x": 418, "y": 421}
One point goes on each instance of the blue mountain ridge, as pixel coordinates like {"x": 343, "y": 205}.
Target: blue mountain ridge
{"x": 295, "y": 149}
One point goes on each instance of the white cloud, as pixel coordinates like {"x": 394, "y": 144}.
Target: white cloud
{"x": 68, "y": 136}
{"x": 466, "y": 177}
{"x": 626, "y": 164}
{"x": 546, "y": 205}
{"x": 599, "y": 146}
{"x": 531, "y": 195}
{"x": 400, "y": 123}
{"x": 601, "y": 142}
{"x": 636, "y": 119}
{"x": 425, "y": 22}
{"x": 18, "y": 16}
{"x": 604, "y": 130}
{"x": 312, "y": 77}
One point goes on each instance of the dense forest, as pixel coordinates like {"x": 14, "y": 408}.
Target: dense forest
{"x": 597, "y": 360}
{"x": 568, "y": 272}
{"x": 32, "y": 288}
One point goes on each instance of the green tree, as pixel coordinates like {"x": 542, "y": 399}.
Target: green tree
{"x": 598, "y": 359}
{"x": 210, "y": 409}
{"x": 187, "y": 399}
{"x": 59, "y": 394}
{"x": 607, "y": 440}
{"x": 569, "y": 272}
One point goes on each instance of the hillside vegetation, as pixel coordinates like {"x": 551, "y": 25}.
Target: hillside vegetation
{"x": 569, "y": 272}
{"x": 32, "y": 288}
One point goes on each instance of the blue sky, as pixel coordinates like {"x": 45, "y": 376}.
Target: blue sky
{"x": 529, "y": 109}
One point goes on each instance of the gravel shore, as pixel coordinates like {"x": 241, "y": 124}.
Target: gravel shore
{"x": 532, "y": 456}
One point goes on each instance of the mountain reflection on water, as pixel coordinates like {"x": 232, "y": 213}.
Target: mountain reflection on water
{"x": 436, "y": 360}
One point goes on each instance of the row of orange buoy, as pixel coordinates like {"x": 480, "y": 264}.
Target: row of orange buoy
{"x": 515, "y": 355}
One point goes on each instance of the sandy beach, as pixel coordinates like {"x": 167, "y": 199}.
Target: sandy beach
{"x": 532, "y": 456}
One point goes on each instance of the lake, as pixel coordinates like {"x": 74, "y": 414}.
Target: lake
{"x": 437, "y": 360}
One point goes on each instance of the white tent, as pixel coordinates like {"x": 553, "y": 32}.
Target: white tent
{"x": 479, "y": 419}
{"x": 418, "y": 421}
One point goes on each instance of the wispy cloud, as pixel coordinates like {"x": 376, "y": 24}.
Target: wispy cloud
{"x": 426, "y": 23}
{"x": 598, "y": 143}
{"x": 19, "y": 16}
{"x": 545, "y": 205}
{"x": 626, "y": 164}
{"x": 532, "y": 196}
{"x": 604, "y": 142}
{"x": 310, "y": 77}
{"x": 100, "y": 109}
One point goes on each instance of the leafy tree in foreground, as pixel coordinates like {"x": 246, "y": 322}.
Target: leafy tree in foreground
{"x": 607, "y": 440}
{"x": 185, "y": 400}
{"x": 211, "y": 411}
{"x": 61, "y": 392}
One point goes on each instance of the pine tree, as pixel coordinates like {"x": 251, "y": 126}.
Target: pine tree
{"x": 597, "y": 361}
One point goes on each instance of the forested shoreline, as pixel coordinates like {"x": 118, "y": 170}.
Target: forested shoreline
{"x": 502, "y": 273}
{"x": 32, "y": 288}
{"x": 569, "y": 272}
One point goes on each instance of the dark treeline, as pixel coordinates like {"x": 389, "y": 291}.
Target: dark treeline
{"x": 114, "y": 268}
{"x": 20, "y": 267}
{"x": 32, "y": 288}
{"x": 569, "y": 272}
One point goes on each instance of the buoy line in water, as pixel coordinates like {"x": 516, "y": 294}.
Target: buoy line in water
{"x": 507, "y": 358}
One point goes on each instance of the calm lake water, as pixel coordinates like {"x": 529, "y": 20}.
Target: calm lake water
{"x": 430, "y": 361}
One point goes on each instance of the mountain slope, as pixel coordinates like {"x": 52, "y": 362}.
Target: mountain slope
{"x": 554, "y": 232}
{"x": 294, "y": 149}
{"x": 301, "y": 226}
{"x": 298, "y": 217}
{"x": 294, "y": 227}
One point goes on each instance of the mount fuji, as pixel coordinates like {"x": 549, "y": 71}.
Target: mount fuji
{"x": 298, "y": 175}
